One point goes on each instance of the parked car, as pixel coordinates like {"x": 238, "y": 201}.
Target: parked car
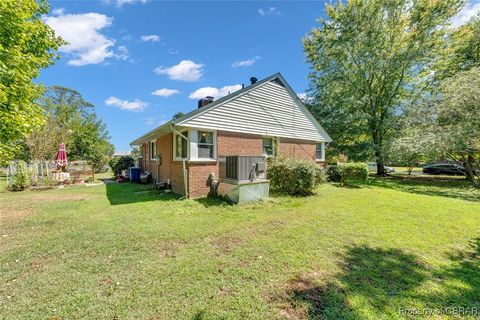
{"x": 444, "y": 168}
{"x": 372, "y": 166}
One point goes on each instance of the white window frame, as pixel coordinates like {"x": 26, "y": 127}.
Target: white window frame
{"x": 153, "y": 152}
{"x": 175, "y": 145}
{"x": 273, "y": 148}
{"x": 322, "y": 144}
{"x": 214, "y": 144}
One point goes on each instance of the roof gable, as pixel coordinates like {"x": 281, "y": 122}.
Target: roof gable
{"x": 268, "y": 107}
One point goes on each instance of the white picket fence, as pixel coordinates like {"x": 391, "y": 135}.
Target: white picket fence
{"x": 39, "y": 171}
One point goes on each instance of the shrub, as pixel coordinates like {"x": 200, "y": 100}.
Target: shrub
{"x": 341, "y": 158}
{"x": 118, "y": 164}
{"x": 21, "y": 178}
{"x": 333, "y": 173}
{"x": 320, "y": 175}
{"x": 353, "y": 172}
{"x": 293, "y": 177}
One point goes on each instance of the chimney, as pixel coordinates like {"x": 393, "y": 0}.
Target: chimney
{"x": 253, "y": 80}
{"x": 204, "y": 101}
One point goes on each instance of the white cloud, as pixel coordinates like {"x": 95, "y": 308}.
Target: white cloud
{"x": 214, "y": 92}
{"x": 305, "y": 97}
{"x": 150, "y": 37}
{"x": 86, "y": 44}
{"x": 121, "y": 3}
{"x": 470, "y": 10}
{"x": 302, "y": 95}
{"x": 245, "y": 63}
{"x": 270, "y": 11}
{"x": 58, "y": 11}
{"x": 122, "y": 53}
{"x": 135, "y": 105}
{"x": 186, "y": 70}
{"x": 165, "y": 92}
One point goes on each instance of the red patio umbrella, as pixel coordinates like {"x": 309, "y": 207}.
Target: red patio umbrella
{"x": 61, "y": 158}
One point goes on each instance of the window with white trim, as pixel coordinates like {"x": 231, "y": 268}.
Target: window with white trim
{"x": 181, "y": 146}
{"x": 206, "y": 147}
{"x": 320, "y": 151}
{"x": 267, "y": 145}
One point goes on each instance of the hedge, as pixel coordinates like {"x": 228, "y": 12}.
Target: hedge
{"x": 294, "y": 177}
{"x": 347, "y": 172}
{"x": 118, "y": 164}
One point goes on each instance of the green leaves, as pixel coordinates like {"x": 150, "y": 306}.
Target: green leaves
{"x": 369, "y": 60}
{"x": 26, "y": 46}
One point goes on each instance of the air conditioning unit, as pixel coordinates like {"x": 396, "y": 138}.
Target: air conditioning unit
{"x": 242, "y": 168}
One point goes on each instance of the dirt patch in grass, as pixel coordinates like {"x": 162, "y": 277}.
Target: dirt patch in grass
{"x": 169, "y": 248}
{"x": 11, "y": 214}
{"x": 306, "y": 296}
{"x": 53, "y": 197}
{"x": 225, "y": 244}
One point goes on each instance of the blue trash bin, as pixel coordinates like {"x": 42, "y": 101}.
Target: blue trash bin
{"x": 135, "y": 174}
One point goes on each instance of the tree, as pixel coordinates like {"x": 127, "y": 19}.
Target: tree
{"x": 178, "y": 115}
{"x": 457, "y": 115}
{"x": 462, "y": 50}
{"x": 71, "y": 120}
{"x": 370, "y": 58}
{"x": 26, "y": 46}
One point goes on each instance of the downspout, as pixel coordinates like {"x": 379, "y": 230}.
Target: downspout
{"x": 185, "y": 183}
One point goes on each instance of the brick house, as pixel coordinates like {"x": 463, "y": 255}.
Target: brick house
{"x": 247, "y": 122}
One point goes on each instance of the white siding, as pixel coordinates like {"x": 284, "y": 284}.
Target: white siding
{"x": 267, "y": 110}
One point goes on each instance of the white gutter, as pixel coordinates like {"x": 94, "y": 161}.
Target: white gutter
{"x": 184, "y": 160}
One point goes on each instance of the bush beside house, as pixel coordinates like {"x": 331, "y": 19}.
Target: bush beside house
{"x": 294, "y": 177}
{"x": 118, "y": 164}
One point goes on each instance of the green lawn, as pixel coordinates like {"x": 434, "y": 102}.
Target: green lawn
{"x": 120, "y": 251}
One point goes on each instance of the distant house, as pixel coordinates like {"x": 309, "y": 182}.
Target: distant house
{"x": 186, "y": 150}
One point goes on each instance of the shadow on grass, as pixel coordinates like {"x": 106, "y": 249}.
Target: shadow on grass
{"x": 377, "y": 283}
{"x": 381, "y": 279}
{"x": 123, "y": 193}
{"x": 460, "y": 280}
{"x": 214, "y": 202}
{"x": 433, "y": 186}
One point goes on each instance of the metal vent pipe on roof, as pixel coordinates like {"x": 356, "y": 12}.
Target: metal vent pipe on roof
{"x": 253, "y": 80}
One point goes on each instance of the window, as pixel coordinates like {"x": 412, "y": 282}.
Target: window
{"x": 267, "y": 147}
{"x": 181, "y": 146}
{"x": 205, "y": 145}
{"x": 153, "y": 150}
{"x": 319, "y": 152}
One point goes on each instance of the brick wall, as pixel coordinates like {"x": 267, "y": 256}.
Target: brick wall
{"x": 299, "y": 149}
{"x": 198, "y": 173}
{"x": 231, "y": 144}
{"x": 228, "y": 143}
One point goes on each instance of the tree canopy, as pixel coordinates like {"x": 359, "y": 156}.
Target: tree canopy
{"x": 369, "y": 59}
{"x": 71, "y": 120}
{"x": 27, "y": 45}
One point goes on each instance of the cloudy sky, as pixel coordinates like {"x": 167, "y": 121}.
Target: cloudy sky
{"x": 141, "y": 61}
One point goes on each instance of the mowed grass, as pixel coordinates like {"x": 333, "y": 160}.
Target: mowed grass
{"x": 121, "y": 251}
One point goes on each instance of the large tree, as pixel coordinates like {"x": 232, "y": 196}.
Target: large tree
{"x": 71, "y": 120}
{"x": 27, "y": 45}
{"x": 457, "y": 120}
{"x": 369, "y": 60}
{"x": 461, "y": 51}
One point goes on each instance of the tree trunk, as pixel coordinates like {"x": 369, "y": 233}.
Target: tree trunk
{"x": 378, "y": 153}
{"x": 380, "y": 164}
{"x": 469, "y": 169}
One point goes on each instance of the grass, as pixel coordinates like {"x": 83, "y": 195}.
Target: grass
{"x": 122, "y": 251}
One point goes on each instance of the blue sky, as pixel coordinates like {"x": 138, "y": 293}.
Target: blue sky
{"x": 120, "y": 54}
{"x": 141, "y": 61}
